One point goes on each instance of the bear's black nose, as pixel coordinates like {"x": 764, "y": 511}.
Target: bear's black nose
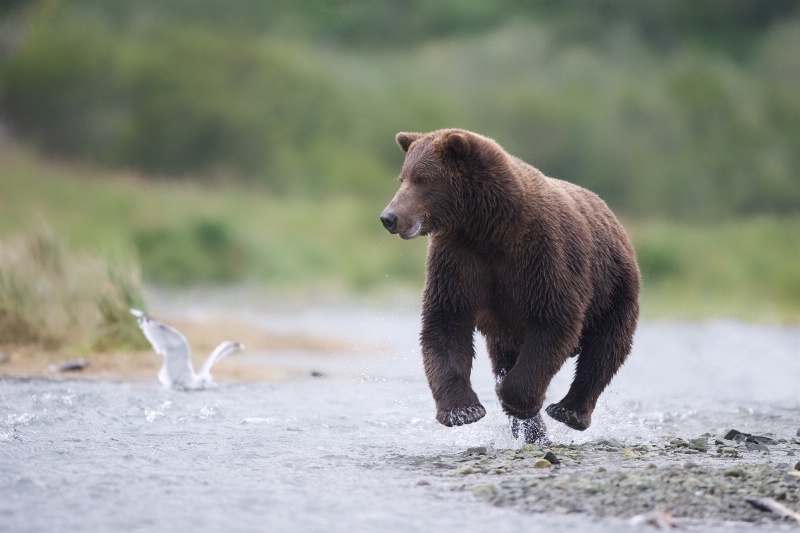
{"x": 389, "y": 220}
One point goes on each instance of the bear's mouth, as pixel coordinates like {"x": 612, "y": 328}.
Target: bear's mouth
{"x": 413, "y": 231}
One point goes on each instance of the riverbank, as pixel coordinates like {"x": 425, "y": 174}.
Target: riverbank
{"x": 704, "y": 481}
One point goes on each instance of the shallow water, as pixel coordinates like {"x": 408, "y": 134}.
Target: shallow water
{"x": 356, "y": 449}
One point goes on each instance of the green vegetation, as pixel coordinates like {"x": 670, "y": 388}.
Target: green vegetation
{"x": 252, "y": 140}
{"x": 671, "y": 108}
{"x": 52, "y": 297}
{"x": 187, "y": 233}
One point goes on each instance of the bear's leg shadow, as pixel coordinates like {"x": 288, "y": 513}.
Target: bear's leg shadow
{"x": 447, "y": 354}
{"x": 605, "y": 345}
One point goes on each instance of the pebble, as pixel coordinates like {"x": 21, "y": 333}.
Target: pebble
{"x": 759, "y": 439}
{"x": 798, "y": 432}
{"x": 754, "y": 446}
{"x": 733, "y": 433}
{"x": 542, "y": 463}
{"x": 74, "y": 365}
{"x": 797, "y": 466}
{"x": 727, "y": 450}
{"x": 478, "y": 450}
{"x": 627, "y": 453}
{"x": 701, "y": 444}
{"x": 550, "y": 456}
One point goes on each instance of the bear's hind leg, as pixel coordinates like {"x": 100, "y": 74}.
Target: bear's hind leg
{"x": 605, "y": 345}
{"x": 503, "y": 355}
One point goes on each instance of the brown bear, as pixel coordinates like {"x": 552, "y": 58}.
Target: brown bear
{"x": 541, "y": 267}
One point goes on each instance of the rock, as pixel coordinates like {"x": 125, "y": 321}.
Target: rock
{"x": 759, "y": 439}
{"x": 798, "y": 432}
{"x": 727, "y": 450}
{"x": 423, "y": 482}
{"x": 478, "y": 450}
{"x": 70, "y": 366}
{"x": 550, "y": 456}
{"x": 734, "y": 472}
{"x": 317, "y": 374}
{"x": 611, "y": 443}
{"x": 627, "y": 453}
{"x": 465, "y": 471}
{"x": 484, "y": 491}
{"x": 542, "y": 463}
{"x": 755, "y": 447}
{"x": 529, "y": 448}
{"x": 701, "y": 444}
{"x": 658, "y": 519}
{"x": 797, "y": 466}
{"x": 733, "y": 433}
{"x": 678, "y": 443}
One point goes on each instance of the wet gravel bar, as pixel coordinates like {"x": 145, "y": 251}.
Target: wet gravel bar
{"x": 700, "y": 481}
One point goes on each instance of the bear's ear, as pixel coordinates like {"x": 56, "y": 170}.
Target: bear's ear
{"x": 455, "y": 144}
{"x": 404, "y": 139}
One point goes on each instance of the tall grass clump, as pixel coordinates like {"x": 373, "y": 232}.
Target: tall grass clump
{"x": 53, "y": 298}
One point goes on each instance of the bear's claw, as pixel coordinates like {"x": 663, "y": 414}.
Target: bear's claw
{"x": 458, "y": 416}
{"x": 569, "y": 417}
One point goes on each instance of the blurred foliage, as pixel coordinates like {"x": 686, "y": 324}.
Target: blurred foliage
{"x": 253, "y": 139}
{"x": 669, "y": 107}
{"x": 744, "y": 268}
{"x": 203, "y": 252}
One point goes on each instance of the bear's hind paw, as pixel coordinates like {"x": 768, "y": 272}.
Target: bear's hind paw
{"x": 569, "y": 417}
{"x": 458, "y": 416}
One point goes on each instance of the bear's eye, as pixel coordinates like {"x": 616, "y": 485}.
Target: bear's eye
{"x": 418, "y": 180}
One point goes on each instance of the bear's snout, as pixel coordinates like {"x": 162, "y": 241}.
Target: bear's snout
{"x": 389, "y": 220}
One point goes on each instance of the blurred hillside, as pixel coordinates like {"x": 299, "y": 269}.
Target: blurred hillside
{"x": 675, "y": 108}
{"x": 253, "y": 139}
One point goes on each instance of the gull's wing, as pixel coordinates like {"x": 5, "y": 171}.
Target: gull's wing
{"x": 173, "y": 346}
{"x": 220, "y": 352}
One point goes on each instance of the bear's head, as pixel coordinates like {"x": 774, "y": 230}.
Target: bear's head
{"x": 443, "y": 173}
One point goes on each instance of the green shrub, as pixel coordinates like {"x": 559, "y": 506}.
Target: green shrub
{"x": 203, "y": 251}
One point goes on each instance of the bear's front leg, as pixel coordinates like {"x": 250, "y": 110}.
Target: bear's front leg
{"x": 447, "y": 353}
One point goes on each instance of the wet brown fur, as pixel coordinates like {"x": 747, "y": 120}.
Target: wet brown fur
{"x": 541, "y": 267}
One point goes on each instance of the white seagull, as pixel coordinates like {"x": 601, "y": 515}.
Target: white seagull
{"x": 177, "y": 371}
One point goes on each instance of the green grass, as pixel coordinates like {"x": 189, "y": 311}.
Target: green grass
{"x": 53, "y": 297}
{"x": 747, "y": 269}
{"x": 183, "y": 233}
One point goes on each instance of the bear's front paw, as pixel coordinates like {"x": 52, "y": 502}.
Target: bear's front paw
{"x": 458, "y": 416}
{"x": 570, "y": 417}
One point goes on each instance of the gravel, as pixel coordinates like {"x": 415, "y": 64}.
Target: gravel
{"x": 698, "y": 481}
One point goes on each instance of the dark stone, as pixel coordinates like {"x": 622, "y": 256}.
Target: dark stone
{"x": 797, "y": 466}
{"x": 798, "y": 432}
{"x": 756, "y": 447}
{"x": 732, "y": 434}
{"x": 550, "y": 456}
{"x": 758, "y": 439}
{"x": 317, "y": 374}
{"x": 75, "y": 365}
